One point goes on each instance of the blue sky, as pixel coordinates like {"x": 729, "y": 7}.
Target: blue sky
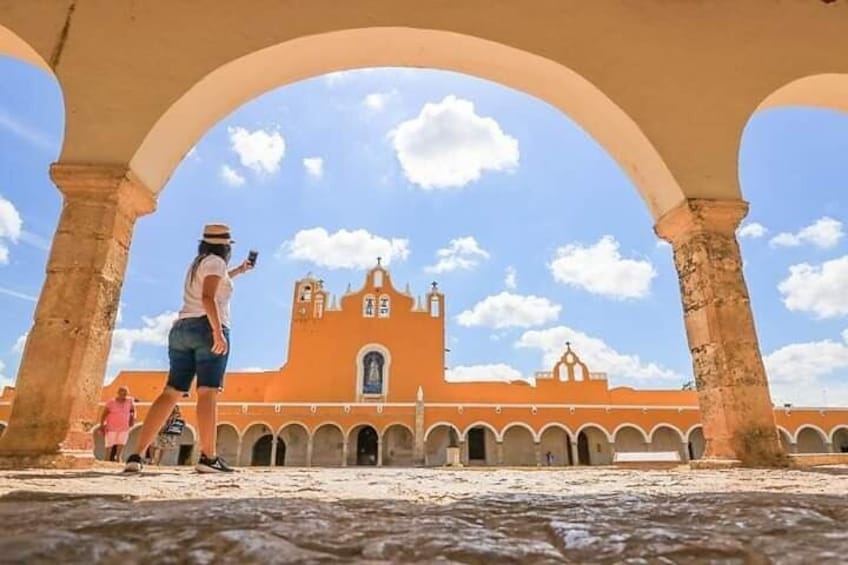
{"x": 532, "y": 230}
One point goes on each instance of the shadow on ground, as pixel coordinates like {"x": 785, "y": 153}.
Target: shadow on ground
{"x": 744, "y": 528}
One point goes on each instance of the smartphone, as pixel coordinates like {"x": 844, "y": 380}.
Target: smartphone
{"x": 251, "y": 257}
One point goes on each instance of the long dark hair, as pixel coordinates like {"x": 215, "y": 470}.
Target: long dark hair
{"x": 204, "y": 250}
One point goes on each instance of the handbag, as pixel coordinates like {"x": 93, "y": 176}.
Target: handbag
{"x": 175, "y": 428}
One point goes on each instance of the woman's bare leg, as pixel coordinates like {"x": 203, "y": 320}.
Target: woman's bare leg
{"x": 156, "y": 417}
{"x": 207, "y": 419}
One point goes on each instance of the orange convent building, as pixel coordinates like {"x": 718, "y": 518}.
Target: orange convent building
{"x": 365, "y": 384}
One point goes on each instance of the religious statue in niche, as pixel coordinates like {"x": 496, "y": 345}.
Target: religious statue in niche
{"x": 372, "y": 379}
{"x": 369, "y": 307}
{"x": 384, "y": 306}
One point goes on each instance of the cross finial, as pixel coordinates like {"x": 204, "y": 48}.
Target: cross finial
{"x": 379, "y": 261}
{"x": 568, "y": 345}
{"x": 435, "y": 285}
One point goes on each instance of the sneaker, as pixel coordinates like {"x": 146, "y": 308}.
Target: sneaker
{"x": 213, "y": 465}
{"x": 134, "y": 464}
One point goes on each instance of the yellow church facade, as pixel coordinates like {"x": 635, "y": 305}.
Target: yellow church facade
{"x": 364, "y": 384}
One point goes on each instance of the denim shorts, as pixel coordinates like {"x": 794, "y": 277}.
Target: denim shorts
{"x": 190, "y": 353}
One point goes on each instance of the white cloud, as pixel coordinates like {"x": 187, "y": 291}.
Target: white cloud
{"x": 820, "y": 290}
{"x": 825, "y": 233}
{"x": 752, "y": 230}
{"x": 511, "y": 279}
{"x": 259, "y": 150}
{"x": 314, "y": 166}
{"x": 663, "y": 244}
{"x": 20, "y": 343}
{"x": 16, "y": 294}
{"x": 506, "y": 310}
{"x": 154, "y": 331}
{"x": 27, "y": 133}
{"x": 376, "y": 101}
{"x": 357, "y": 249}
{"x": 10, "y": 227}
{"x": 797, "y": 372}
{"x": 461, "y": 253}
{"x": 600, "y": 269}
{"x": 497, "y": 372}
{"x": 598, "y": 356}
{"x": 252, "y": 370}
{"x": 448, "y": 145}
{"x": 231, "y": 177}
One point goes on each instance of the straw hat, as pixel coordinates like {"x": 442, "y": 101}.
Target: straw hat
{"x": 217, "y": 234}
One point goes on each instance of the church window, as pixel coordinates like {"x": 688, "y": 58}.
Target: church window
{"x": 434, "y": 307}
{"x": 368, "y": 306}
{"x": 305, "y": 293}
{"x": 378, "y": 279}
{"x": 372, "y": 373}
{"x": 384, "y": 307}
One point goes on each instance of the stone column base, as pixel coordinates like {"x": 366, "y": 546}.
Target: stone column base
{"x": 62, "y": 460}
{"x": 714, "y": 463}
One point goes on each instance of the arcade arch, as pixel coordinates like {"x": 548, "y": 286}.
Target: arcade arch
{"x": 556, "y": 439}
{"x": 811, "y": 439}
{"x": 328, "y": 442}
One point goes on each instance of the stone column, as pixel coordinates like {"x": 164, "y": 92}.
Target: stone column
{"x": 684, "y": 451}
{"x": 419, "y": 452}
{"x": 273, "y": 462}
{"x": 828, "y": 448}
{"x": 537, "y": 450}
{"x": 344, "y": 453}
{"x": 60, "y": 379}
{"x": 575, "y": 454}
{"x": 463, "y": 452}
{"x": 736, "y": 408}
{"x": 380, "y": 452}
{"x": 499, "y": 453}
{"x": 309, "y": 448}
{"x": 238, "y": 451}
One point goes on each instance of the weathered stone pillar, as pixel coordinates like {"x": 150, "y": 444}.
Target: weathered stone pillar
{"x": 684, "y": 452}
{"x": 499, "y": 453}
{"x": 828, "y": 448}
{"x": 273, "y": 462}
{"x": 238, "y": 451}
{"x": 537, "y": 450}
{"x": 575, "y": 454}
{"x": 61, "y": 374}
{"x": 419, "y": 451}
{"x": 463, "y": 452}
{"x": 379, "y": 452}
{"x": 309, "y": 447}
{"x": 733, "y": 394}
{"x": 344, "y": 453}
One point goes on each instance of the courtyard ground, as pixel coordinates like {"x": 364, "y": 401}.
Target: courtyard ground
{"x": 292, "y": 515}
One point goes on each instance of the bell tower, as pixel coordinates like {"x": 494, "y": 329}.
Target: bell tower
{"x": 310, "y": 299}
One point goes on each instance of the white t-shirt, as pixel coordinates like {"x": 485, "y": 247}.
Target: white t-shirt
{"x": 193, "y": 289}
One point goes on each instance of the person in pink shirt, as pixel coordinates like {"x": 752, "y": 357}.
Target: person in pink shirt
{"x": 115, "y": 423}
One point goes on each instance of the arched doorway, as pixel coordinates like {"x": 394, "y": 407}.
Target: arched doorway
{"x": 228, "y": 443}
{"x": 327, "y": 446}
{"x": 438, "y": 439}
{"x": 593, "y": 446}
{"x": 367, "y": 446}
{"x": 810, "y": 440}
{"x": 480, "y": 445}
{"x": 668, "y": 438}
{"x": 262, "y": 449}
{"x": 840, "y": 440}
{"x": 696, "y": 443}
{"x": 556, "y": 442}
{"x": 519, "y": 447}
{"x": 252, "y": 434}
{"x": 398, "y": 446}
{"x": 296, "y": 438}
{"x": 629, "y": 438}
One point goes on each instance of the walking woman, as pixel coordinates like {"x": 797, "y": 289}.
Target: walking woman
{"x": 198, "y": 344}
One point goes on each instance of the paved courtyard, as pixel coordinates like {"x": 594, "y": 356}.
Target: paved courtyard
{"x": 290, "y": 515}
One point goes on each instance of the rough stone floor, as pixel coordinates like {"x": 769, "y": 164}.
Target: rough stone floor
{"x": 597, "y": 515}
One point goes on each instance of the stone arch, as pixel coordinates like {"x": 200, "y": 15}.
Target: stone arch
{"x": 328, "y": 440}
{"x": 519, "y": 445}
{"x": 666, "y": 437}
{"x": 839, "y": 439}
{"x": 593, "y": 445}
{"x": 227, "y": 442}
{"x": 556, "y": 439}
{"x": 12, "y": 45}
{"x": 810, "y": 439}
{"x": 398, "y": 445}
{"x": 588, "y": 425}
{"x": 241, "y": 79}
{"x": 787, "y": 440}
{"x": 295, "y": 436}
{"x": 363, "y": 444}
{"x": 481, "y": 441}
{"x": 695, "y": 442}
{"x": 826, "y": 90}
{"x": 252, "y": 433}
{"x": 630, "y": 437}
{"x": 437, "y": 439}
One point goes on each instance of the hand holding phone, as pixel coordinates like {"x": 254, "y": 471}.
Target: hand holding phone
{"x": 251, "y": 257}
